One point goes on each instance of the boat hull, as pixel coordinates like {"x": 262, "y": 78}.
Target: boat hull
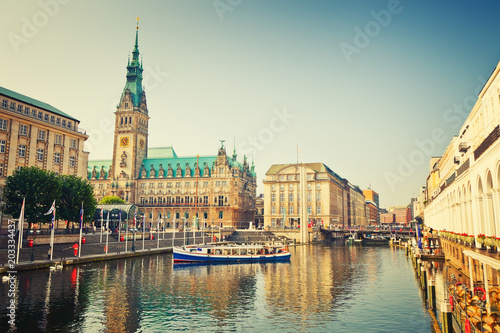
{"x": 182, "y": 256}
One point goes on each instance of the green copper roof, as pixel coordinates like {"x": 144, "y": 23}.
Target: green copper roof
{"x": 161, "y": 152}
{"x": 134, "y": 73}
{"x": 34, "y": 102}
{"x": 102, "y": 165}
{"x": 175, "y": 162}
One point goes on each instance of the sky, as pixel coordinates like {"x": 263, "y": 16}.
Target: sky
{"x": 370, "y": 88}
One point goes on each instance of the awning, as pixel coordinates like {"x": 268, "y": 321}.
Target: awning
{"x": 127, "y": 211}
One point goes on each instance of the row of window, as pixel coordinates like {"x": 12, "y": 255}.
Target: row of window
{"x": 291, "y": 210}
{"x": 291, "y": 186}
{"x": 177, "y": 215}
{"x": 40, "y": 154}
{"x": 186, "y": 200}
{"x": 187, "y": 184}
{"x": 42, "y": 134}
{"x": 291, "y": 177}
{"x": 40, "y": 115}
{"x": 291, "y": 196}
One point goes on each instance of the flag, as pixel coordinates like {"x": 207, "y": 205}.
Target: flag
{"x": 107, "y": 222}
{"x": 52, "y": 208}
{"x": 102, "y": 210}
{"x": 81, "y": 216}
{"x": 21, "y": 217}
{"x": 135, "y": 218}
{"x": 53, "y": 211}
{"x": 419, "y": 236}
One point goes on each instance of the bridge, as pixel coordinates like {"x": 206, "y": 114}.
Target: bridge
{"x": 317, "y": 233}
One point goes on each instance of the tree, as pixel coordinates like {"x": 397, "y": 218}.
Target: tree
{"x": 39, "y": 188}
{"x": 74, "y": 192}
{"x": 111, "y": 199}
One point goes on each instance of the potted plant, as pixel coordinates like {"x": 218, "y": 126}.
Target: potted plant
{"x": 480, "y": 238}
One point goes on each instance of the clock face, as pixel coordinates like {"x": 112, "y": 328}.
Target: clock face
{"x": 124, "y": 141}
{"x": 141, "y": 143}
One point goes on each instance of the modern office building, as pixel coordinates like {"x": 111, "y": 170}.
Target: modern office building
{"x": 372, "y": 199}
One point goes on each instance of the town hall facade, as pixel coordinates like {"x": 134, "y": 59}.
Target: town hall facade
{"x": 217, "y": 189}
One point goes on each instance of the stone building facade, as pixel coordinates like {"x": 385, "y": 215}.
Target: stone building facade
{"x": 330, "y": 199}
{"x": 34, "y": 133}
{"x": 218, "y": 189}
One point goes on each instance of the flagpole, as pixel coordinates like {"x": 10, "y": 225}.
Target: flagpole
{"x": 81, "y": 227}
{"x": 143, "y": 224}
{"x": 107, "y": 232}
{"x": 173, "y": 230}
{"x": 20, "y": 230}
{"x": 126, "y": 234}
{"x": 52, "y": 232}
{"x": 119, "y": 224}
{"x": 22, "y": 226}
{"x": 158, "y": 240}
{"x": 102, "y": 222}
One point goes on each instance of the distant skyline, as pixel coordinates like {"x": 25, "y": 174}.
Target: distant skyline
{"x": 373, "y": 89}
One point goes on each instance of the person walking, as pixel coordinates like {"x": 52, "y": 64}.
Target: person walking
{"x": 75, "y": 249}
{"x": 48, "y": 254}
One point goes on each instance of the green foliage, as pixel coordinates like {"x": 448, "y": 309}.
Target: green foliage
{"x": 74, "y": 192}
{"x": 111, "y": 199}
{"x": 41, "y": 188}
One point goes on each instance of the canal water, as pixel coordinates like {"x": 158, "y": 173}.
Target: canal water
{"x": 324, "y": 288}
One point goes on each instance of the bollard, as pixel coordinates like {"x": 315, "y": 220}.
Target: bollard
{"x": 423, "y": 278}
{"x": 446, "y": 317}
{"x": 431, "y": 285}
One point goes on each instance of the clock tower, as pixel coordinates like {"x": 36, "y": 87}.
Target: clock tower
{"x": 131, "y": 129}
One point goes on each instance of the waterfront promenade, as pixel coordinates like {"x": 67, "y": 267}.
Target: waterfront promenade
{"x": 36, "y": 257}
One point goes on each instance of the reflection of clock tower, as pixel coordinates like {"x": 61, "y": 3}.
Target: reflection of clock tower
{"x": 131, "y": 130}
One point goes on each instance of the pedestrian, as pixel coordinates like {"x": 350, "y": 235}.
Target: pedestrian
{"x": 75, "y": 249}
{"x": 48, "y": 254}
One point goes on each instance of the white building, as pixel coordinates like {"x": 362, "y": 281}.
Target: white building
{"x": 464, "y": 196}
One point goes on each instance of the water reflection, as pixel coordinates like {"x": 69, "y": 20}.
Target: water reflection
{"x": 323, "y": 288}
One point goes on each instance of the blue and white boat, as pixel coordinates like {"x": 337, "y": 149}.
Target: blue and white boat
{"x": 230, "y": 253}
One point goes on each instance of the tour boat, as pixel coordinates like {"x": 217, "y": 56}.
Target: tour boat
{"x": 220, "y": 253}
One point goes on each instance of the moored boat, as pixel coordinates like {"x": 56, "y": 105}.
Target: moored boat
{"x": 219, "y": 253}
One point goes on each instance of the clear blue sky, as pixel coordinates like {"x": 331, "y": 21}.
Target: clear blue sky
{"x": 356, "y": 84}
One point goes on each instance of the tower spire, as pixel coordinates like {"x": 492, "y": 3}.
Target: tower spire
{"x": 234, "y": 149}
{"x": 137, "y": 34}
{"x": 134, "y": 71}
